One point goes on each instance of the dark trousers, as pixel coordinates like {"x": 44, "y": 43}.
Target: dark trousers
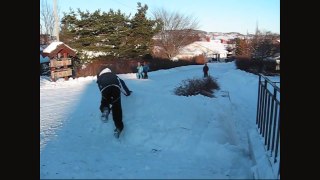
{"x": 112, "y": 96}
{"x": 145, "y": 75}
{"x": 205, "y": 74}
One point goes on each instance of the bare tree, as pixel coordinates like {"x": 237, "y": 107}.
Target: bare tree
{"x": 177, "y": 31}
{"x": 40, "y": 28}
{"x": 262, "y": 45}
{"x": 47, "y": 17}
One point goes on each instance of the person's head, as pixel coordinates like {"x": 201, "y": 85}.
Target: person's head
{"x": 110, "y": 66}
{"x": 139, "y": 63}
{"x": 105, "y": 70}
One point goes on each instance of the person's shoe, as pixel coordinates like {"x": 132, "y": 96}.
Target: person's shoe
{"x": 105, "y": 114}
{"x": 117, "y": 133}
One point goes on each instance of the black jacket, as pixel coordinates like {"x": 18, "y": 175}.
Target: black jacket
{"x": 205, "y": 69}
{"x": 110, "y": 79}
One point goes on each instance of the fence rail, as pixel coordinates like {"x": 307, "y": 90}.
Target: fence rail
{"x": 268, "y": 119}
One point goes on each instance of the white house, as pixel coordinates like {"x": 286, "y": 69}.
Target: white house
{"x": 212, "y": 50}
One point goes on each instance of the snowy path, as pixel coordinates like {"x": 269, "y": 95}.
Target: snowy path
{"x": 165, "y": 136}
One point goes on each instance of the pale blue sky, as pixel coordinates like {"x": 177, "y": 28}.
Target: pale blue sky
{"x": 213, "y": 15}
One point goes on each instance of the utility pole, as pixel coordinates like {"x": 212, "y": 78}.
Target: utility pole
{"x": 56, "y": 19}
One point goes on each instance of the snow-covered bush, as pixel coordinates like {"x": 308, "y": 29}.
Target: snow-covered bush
{"x": 191, "y": 87}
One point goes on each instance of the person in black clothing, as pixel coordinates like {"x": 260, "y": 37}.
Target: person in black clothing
{"x": 205, "y": 70}
{"x": 111, "y": 86}
{"x": 145, "y": 70}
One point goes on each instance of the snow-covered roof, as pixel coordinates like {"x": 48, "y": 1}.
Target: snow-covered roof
{"x": 203, "y": 47}
{"x": 225, "y": 37}
{"x": 54, "y": 46}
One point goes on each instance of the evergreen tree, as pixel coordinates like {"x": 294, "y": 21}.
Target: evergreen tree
{"x": 112, "y": 32}
{"x": 141, "y": 33}
{"x": 67, "y": 33}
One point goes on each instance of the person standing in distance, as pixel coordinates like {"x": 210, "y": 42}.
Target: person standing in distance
{"x": 145, "y": 70}
{"x": 205, "y": 70}
{"x": 139, "y": 71}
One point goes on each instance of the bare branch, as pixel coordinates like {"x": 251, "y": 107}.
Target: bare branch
{"x": 47, "y": 18}
{"x": 177, "y": 31}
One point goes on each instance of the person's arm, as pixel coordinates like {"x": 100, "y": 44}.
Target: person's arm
{"x": 98, "y": 76}
{"x": 125, "y": 88}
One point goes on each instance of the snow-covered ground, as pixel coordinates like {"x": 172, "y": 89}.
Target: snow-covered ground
{"x": 165, "y": 136}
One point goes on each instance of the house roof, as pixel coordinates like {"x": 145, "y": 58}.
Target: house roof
{"x": 55, "y": 47}
{"x": 200, "y": 47}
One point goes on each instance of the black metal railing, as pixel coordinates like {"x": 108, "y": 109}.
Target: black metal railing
{"x": 268, "y": 118}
